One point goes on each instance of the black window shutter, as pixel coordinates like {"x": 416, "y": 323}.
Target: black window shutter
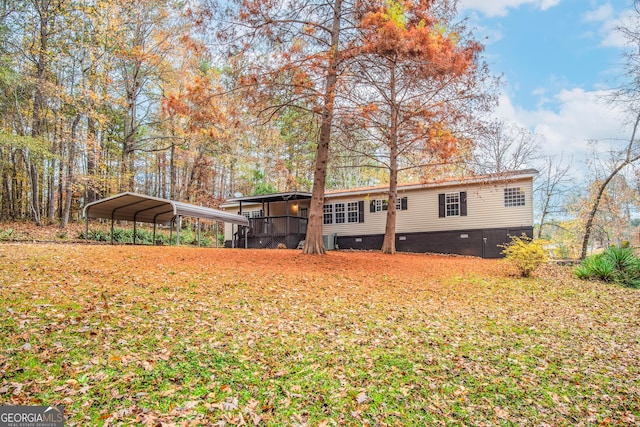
{"x": 441, "y": 207}
{"x": 372, "y": 206}
{"x": 463, "y": 203}
{"x": 361, "y": 211}
{"x": 403, "y": 204}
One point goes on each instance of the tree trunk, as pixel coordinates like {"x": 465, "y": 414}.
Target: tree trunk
{"x": 389, "y": 243}
{"x": 35, "y": 191}
{"x": 37, "y": 122}
{"x": 594, "y": 209}
{"x": 68, "y": 193}
{"x": 313, "y": 239}
{"x": 92, "y": 160}
{"x": 130, "y": 129}
{"x": 172, "y": 172}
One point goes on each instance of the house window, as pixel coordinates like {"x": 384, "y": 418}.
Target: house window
{"x": 452, "y": 204}
{"x": 352, "y": 212}
{"x": 380, "y": 205}
{"x": 253, "y": 214}
{"x": 327, "y": 214}
{"x": 342, "y": 213}
{"x": 304, "y": 212}
{"x": 339, "y": 208}
{"x": 514, "y": 197}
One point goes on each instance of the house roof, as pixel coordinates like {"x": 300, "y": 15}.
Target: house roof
{"x": 474, "y": 179}
{"x": 138, "y": 207}
{"x": 503, "y": 177}
{"x": 266, "y": 198}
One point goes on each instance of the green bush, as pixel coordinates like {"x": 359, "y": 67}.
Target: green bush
{"x": 616, "y": 265}
{"x": 6, "y": 234}
{"x": 525, "y": 254}
{"x": 188, "y": 236}
{"x": 95, "y": 235}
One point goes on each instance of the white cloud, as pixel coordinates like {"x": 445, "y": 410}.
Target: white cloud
{"x": 500, "y": 7}
{"x": 603, "y": 13}
{"x": 610, "y": 22}
{"x": 579, "y": 117}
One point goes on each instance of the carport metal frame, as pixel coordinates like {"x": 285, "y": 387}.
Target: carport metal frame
{"x": 140, "y": 208}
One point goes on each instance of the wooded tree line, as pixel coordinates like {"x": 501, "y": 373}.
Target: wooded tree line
{"x": 98, "y": 97}
{"x": 195, "y": 101}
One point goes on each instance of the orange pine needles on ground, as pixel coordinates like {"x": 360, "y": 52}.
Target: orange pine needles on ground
{"x": 142, "y": 335}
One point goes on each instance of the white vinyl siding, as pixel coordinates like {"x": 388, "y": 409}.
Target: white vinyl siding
{"x": 485, "y": 209}
{"x": 485, "y": 203}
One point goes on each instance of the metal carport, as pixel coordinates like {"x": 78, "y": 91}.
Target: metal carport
{"x": 140, "y": 208}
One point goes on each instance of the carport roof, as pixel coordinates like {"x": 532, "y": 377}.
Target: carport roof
{"x": 137, "y": 207}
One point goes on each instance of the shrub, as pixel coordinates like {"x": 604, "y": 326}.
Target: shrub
{"x": 145, "y": 237}
{"x": 7, "y": 234}
{"x": 96, "y": 235}
{"x": 525, "y": 254}
{"x": 617, "y": 265}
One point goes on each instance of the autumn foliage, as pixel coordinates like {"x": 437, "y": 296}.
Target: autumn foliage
{"x": 141, "y": 335}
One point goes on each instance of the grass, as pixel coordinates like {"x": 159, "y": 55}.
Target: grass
{"x": 188, "y": 336}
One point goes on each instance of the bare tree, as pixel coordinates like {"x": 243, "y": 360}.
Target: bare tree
{"x": 629, "y": 155}
{"x": 505, "y": 147}
{"x": 552, "y": 185}
{"x": 629, "y": 96}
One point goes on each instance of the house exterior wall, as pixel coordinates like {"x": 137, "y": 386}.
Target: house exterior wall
{"x": 485, "y": 210}
{"x": 482, "y": 222}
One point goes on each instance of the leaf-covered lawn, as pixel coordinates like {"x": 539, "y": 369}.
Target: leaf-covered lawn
{"x": 131, "y": 335}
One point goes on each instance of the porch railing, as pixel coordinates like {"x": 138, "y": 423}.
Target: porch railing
{"x": 269, "y": 232}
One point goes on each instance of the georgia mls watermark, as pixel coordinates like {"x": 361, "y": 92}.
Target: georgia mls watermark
{"x": 31, "y": 416}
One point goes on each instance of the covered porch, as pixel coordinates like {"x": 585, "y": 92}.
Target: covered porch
{"x": 274, "y": 220}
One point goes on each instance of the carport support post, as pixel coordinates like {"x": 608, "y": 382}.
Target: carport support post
{"x": 216, "y": 234}
{"x": 86, "y": 227}
{"x": 134, "y": 230}
{"x": 178, "y": 227}
{"x": 246, "y": 237}
{"x": 198, "y": 222}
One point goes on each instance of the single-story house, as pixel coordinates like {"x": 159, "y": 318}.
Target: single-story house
{"x": 467, "y": 216}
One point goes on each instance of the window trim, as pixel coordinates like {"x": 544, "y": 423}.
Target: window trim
{"x": 339, "y": 213}
{"x": 353, "y": 212}
{"x": 517, "y": 197}
{"x": 327, "y": 214}
{"x": 255, "y": 213}
{"x": 452, "y": 204}
{"x": 462, "y": 204}
{"x": 382, "y": 205}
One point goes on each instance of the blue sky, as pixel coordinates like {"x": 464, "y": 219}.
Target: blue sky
{"x": 558, "y": 59}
